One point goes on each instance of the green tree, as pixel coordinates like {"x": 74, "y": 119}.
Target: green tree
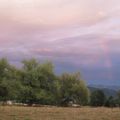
{"x": 73, "y": 89}
{"x": 3, "y": 93}
{"x": 118, "y": 98}
{"x": 97, "y": 98}
{"x": 4, "y": 66}
{"x": 110, "y": 102}
{"x": 9, "y": 80}
{"x": 39, "y": 81}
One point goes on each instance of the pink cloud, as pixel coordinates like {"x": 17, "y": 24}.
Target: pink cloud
{"x": 82, "y": 33}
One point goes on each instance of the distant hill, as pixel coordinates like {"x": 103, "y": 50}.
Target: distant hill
{"x": 108, "y": 90}
{"x": 113, "y": 87}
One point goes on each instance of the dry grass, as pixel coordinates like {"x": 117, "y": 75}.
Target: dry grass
{"x": 54, "y": 113}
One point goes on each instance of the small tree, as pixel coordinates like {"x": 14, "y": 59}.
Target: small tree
{"x": 97, "y": 98}
{"x": 73, "y": 89}
{"x": 118, "y": 98}
{"x": 110, "y": 102}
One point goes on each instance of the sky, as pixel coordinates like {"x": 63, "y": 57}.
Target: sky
{"x": 77, "y": 35}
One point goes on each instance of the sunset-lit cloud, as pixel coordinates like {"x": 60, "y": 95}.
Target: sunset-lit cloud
{"x": 75, "y": 34}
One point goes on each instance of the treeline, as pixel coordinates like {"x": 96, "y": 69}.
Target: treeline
{"x": 98, "y": 98}
{"x": 36, "y": 83}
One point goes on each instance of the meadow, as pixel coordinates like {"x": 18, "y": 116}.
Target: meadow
{"x": 58, "y": 113}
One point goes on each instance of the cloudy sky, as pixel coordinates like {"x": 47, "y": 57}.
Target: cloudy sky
{"x": 77, "y": 35}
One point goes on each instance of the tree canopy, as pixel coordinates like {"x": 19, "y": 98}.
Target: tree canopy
{"x": 97, "y": 98}
{"x": 36, "y": 83}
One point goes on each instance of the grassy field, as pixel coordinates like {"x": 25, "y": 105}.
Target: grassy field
{"x": 54, "y": 113}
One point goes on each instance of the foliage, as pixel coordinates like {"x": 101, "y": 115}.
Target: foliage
{"x": 36, "y": 83}
{"x": 72, "y": 88}
{"x": 110, "y": 102}
{"x": 97, "y": 98}
{"x": 118, "y": 98}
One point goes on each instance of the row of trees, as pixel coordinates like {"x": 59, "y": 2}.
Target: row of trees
{"x": 98, "y": 98}
{"x": 36, "y": 83}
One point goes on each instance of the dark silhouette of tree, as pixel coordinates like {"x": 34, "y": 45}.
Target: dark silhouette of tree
{"x": 110, "y": 102}
{"x": 97, "y": 98}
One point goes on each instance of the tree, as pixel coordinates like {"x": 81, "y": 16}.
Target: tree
{"x": 39, "y": 82}
{"x": 97, "y": 98}
{"x": 3, "y": 93}
{"x": 118, "y": 98}
{"x": 73, "y": 89}
{"x": 4, "y": 66}
{"x": 9, "y": 80}
{"x": 110, "y": 102}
